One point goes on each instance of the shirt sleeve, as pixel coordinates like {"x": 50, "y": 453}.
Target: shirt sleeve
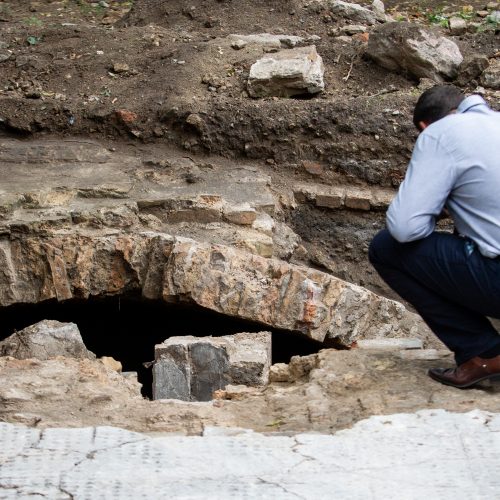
{"x": 423, "y": 193}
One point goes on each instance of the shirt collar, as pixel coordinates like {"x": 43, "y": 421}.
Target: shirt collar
{"x": 470, "y": 102}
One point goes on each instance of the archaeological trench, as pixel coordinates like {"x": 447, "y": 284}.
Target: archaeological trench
{"x": 188, "y": 191}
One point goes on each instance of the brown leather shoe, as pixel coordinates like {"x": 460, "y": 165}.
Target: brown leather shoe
{"x": 469, "y": 373}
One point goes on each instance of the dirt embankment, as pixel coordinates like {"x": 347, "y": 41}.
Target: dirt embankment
{"x": 71, "y": 71}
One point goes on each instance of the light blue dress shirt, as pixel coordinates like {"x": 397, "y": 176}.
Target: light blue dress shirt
{"x": 455, "y": 164}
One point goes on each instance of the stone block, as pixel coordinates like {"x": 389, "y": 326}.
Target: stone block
{"x": 44, "y": 340}
{"x": 381, "y": 199}
{"x": 353, "y": 29}
{"x": 261, "y": 245}
{"x": 264, "y": 224}
{"x": 111, "y": 363}
{"x": 458, "y": 26}
{"x": 352, "y": 11}
{"x": 237, "y": 392}
{"x": 410, "y": 48}
{"x": 193, "y": 368}
{"x": 358, "y": 199}
{"x": 266, "y": 40}
{"x": 426, "y": 354}
{"x": 332, "y": 199}
{"x": 243, "y": 215}
{"x": 471, "y": 68}
{"x": 287, "y": 73}
{"x": 491, "y": 76}
{"x": 327, "y": 195}
{"x": 285, "y": 241}
{"x": 279, "y": 372}
{"x": 378, "y": 9}
{"x": 390, "y": 344}
{"x": 301, "y": 366}
{"x": 313, "y": 167}
{"x": 171, "y": 371}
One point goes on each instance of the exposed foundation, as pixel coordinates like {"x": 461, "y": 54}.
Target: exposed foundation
{"x": 127, "y": 328}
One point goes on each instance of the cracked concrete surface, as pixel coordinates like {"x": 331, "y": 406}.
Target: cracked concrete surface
{"x": 428, "y": 454}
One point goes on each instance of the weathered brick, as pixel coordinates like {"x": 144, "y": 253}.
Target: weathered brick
{"x": 357, "y": 199}
{"x": 332, "y": 199}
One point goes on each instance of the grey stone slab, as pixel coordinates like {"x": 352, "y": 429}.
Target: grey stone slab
{"x": 46, "y": 339}
{"x": 209, "y": 366}
{"x": 171, "y": 378}
{"x": 193, "y": 368}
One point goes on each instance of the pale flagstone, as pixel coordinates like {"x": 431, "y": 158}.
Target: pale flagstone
{"x": 429, "y": 454}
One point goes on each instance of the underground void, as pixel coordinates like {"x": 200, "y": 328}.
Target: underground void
{"x": 127, "y": 328}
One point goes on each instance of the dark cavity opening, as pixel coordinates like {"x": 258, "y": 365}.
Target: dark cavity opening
{"x": 306, "y": 96}
{"x": 128, "y": 327}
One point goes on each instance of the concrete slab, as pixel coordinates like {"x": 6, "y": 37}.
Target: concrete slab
{"x": 403, "y": 456}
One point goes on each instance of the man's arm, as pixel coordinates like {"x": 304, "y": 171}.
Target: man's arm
{"x": 421, "y": 197}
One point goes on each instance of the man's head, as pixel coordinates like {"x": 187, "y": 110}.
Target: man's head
{"x": 435, "y": 104}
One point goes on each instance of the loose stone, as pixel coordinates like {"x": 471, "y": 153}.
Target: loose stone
{"x": 192, "y": 369}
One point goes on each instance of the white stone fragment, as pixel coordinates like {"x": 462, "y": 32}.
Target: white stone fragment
{"x": 267, "y": 40}
{"x": 352, "y": 11}
{"x": 287, "y": 73}
{"x": 264, "y": 223}
{"x": 378, "y": 6}
{"x": 428, "y": 354}
{"x": 390, "y": 344}
{"x": 458, "y": 26}
{"x": 242, "y": 214}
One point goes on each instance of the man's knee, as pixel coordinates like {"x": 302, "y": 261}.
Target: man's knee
{"x": 380, "y": 247}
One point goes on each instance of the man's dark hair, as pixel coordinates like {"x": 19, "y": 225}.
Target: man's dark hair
{"x": 436, "y": 103}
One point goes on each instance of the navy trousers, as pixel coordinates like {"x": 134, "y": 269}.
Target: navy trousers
{"x": 451, "y": 285}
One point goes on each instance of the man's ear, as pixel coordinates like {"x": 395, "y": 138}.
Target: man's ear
{"x": 422, "y": 125}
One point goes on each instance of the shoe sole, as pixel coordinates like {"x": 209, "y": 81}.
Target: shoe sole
{"x": 491, "y": 378}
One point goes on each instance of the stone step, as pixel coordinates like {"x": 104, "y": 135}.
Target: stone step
{"x": 343, "y": 197}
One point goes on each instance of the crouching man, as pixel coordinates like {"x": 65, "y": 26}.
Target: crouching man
{"x": 452, "y": 280}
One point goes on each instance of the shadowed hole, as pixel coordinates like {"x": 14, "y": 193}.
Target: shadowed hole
{"x": 128, "y": 327}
